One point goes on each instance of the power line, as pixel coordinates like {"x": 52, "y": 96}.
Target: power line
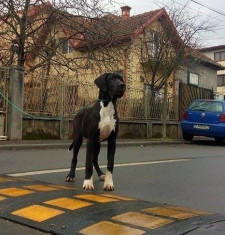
{"x": 218, "y": 27}
{"x": 212, "y": 9}
{"x": 203, "y": 13}
{"x": 208, "y": 7}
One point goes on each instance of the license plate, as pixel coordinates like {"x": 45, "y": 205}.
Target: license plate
{"x": 201, "y": 127}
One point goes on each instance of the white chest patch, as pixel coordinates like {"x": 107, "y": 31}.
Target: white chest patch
{"x": 107, "y": 122}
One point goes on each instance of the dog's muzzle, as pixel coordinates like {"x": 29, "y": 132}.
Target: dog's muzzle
{"x": 121, "y": 89}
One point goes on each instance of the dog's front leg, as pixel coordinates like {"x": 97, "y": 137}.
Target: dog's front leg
{"x": 108, "y": 184}
{"x": 88, "y": 182}
{"x": 101, "y": 175}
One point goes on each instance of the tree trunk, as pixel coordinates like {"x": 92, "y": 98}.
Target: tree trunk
{"x": 164, "y": 109}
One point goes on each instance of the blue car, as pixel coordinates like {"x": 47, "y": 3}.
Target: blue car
{"x": 204, "y": 118}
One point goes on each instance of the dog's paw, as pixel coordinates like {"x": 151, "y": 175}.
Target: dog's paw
{"x": 70, "y": 178}
{"x": 108, "y": 184}
{"x": 109, "y": 187}
{"x": 102, "y": 177}
{"x": 88, "y": 184}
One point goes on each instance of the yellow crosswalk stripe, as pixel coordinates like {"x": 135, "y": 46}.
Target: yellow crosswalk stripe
{"x": 185, "y": 209}
{"x": 118, "y": 197}
{"x": 39, "y": 187}
{"x": 3, "y": 180}
{"x": 68, "y": 203}
{"x": 37, "y": 213}
{"x": 15, "y": 192}
{"x": 109, "y": 228}
{"x": 142, "y": 220}
{"x": 2, "y": 198}
{"x": 63, "y": 187}
{"x": 171, "y": 213}
{"x": 96, "y": 198}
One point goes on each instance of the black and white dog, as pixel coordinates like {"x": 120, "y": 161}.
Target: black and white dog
{"x": 98, "y": 123}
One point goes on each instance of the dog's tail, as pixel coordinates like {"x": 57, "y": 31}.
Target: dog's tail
{"x": 71, "y": 147}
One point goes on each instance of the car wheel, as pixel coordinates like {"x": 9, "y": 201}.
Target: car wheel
{"x": 219, "y": 140}
{"x": 187, "y": 136}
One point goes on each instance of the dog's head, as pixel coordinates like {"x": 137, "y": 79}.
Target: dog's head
{"x": 112, "y": 84}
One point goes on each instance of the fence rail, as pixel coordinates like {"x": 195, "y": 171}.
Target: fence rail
{"x": 55, "y": 96}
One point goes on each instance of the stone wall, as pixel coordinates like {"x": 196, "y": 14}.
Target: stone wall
{"x": 55, "y": 129}
{"x": 34, "y": 129}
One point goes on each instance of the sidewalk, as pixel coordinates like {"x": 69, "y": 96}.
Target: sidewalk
{"x": 48, "y": 144}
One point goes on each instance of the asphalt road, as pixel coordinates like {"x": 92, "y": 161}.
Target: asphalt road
{"x": 190, "y": 175}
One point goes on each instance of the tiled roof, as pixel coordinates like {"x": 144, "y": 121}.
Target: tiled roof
{"x": 128, "y": 26}
{"x": 213, "y": 48}
{"x": 111, "y": 29}
{"x": 203, "y": 58}
{"x": 83, "y": 33}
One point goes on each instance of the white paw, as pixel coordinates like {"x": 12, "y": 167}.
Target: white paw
{"x": 102, "y": 177}
{"x": 88, "y": 184}
{"x": 108, "y": 184}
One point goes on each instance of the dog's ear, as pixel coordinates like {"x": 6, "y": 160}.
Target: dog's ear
{"x": 101, "y": 82}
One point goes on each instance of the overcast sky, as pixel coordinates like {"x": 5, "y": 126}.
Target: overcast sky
{"x": 208, "y": 39}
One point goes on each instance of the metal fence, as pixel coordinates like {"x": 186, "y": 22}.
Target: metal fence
{"x": 56, "y": 96}
{"x": 60, "y": 96}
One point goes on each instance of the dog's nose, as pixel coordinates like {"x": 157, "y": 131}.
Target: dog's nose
{"x": 121, "y": 86}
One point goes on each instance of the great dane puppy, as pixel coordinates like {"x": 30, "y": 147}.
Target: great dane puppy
{"x": 98, "y": 123}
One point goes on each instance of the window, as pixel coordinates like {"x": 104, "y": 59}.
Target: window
{"x": 220, "y": 80}
{"x": 65, "y": 46}
{"x": 153, "y": 44}
{"x": 219, "y": 56}
{"x": 193, "y": 79}
{"x": 223, "y": 55}
{"x": 207, "y": 106}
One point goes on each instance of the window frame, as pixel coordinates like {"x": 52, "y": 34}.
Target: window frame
{"x": 222, "y": 76}
{"x": 65, "y": 46}
{"x": 190, "y": 82}
{"x": 220, "y": 55}
{"x": 154, "y": 43}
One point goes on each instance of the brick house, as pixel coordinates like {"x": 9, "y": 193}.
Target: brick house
{"x": 113, "y": 39}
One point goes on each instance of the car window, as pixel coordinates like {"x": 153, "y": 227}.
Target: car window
{"x": 207, "y": 106}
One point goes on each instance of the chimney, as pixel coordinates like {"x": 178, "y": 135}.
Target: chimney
{"x": 125, "y": 12}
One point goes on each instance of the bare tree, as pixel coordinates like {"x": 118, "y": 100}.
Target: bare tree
{"x": 169, "y": 47}
{"x": 59, "y": 38}
{"x": 30, "y": 34}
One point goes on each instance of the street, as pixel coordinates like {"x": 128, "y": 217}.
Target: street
{"x": 190, "y": 175}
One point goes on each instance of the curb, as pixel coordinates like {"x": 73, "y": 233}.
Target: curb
{"x": 27, "y": 146}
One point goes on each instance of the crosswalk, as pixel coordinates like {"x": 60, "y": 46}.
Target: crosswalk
{"x": 78, "y": 212}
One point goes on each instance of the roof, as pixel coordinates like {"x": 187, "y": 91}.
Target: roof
{"x": 204, "y": 59}
{"x": 136, "y": 23}
{"x": 107, "y": 30}
{"x": 92, "y": 32}
{"x": 213, "y": 48}
{"x": 112, "y": 29}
